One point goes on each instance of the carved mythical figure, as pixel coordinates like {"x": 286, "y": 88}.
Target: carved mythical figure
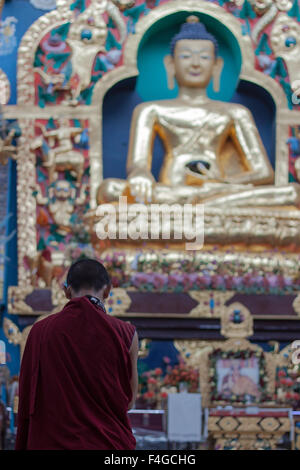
{"x": 285, "y": 42}
{"x": 61, "y": 157}
{"x": 213, "y": 150}
{"x": 267, "y": 11}
{"x": 61, "y": 202}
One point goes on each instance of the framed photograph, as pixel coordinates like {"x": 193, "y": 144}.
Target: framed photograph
{"x": 238, "y": 377}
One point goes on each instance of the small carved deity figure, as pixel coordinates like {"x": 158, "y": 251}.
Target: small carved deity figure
{"x": 213, "y": 150}
{"x": 61, "y": 202}
{"x": 61, "y": 157}
{"x": 87, "y": 37}
{"x": 40, "y": 267}
{"x": 285, "y": 42}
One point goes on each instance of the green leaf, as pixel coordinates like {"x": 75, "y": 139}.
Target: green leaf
{"x": 111, "y": 42}
{"x": 78, "y": 5}
{"x": 62, "y": 31}
{"x": 263, "y": 45}
{"x": 295, "y": 10}
{"x": 100, "y": 65}
{"x": 58, "y": 58}
{"x": 247, "y": 11}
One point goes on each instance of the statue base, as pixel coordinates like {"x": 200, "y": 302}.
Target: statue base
{"x": 243, "y": 227}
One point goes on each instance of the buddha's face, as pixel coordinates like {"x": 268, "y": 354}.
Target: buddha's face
{"x": 194, "y": 61}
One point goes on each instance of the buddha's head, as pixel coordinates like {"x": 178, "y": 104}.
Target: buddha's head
{"x": 194, "y": 57}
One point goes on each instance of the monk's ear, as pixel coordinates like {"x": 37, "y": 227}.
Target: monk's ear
{"x": 217, "y": 71}
{"x": 170, "y": 69}
{"x": 106, "y": 291}
{"x": 67, "y": 291}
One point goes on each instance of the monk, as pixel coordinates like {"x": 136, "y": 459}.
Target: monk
{"x": 78, "y": 374}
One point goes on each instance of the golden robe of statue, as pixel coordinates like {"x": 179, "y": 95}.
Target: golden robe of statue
{"x": 213, "y": 151}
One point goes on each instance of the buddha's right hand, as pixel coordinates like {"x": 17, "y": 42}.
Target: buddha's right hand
{"x": 141, "y": 185}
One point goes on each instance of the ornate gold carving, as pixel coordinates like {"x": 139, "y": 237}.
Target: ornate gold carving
{"x": 224, "y": 225}
{"x": 27, "y": 112}
{"x": 16, "y": 299}
{"x": 296, "y": 435}
{"x": 296, "y": 304}
{"x": 269, "y": 424}
{"x": 236, "y": 343}
{"x": 228, "y": 423}
{"x": 210, "y": 303}
{"x": 242, "y": 328}
{"x": 61, "y": 202}
{"x": 61, "y": 157}
{"x": 11, "y": 331}
{"x": 247, "y": 432}
{"x": 124, "y": 4}
{"x": 285, "y": 41}
{"x": 144, "y": 348}
{"x": 58, "y": 297}
{"x": 26, "y": 177}
{"x": 4, "y": 88}
{"x": 191, "y": 350}
{"x": 118, "y": 302}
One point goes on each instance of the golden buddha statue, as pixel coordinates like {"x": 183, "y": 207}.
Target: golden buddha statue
{"x": 213, "y": 151}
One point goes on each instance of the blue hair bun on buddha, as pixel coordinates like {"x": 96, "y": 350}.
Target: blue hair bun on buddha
{"x": 193, "y": 29}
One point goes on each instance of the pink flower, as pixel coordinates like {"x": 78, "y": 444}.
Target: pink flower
{"x": 166, "y": 360}
{"x": 160, "y": 280}
{"x": 217, "y": 281}
{"x": 187, "y": 282}
{"x": 204, "y": 281}
{"x": 287, "y": 281}
{"x": 175, "y": 279}
{"x": 194, "y": 277}
{"x": 273, "y": 280}
{"x": 138, "y": 279}
{"x": 237, "y": 281}
{"x": 152, "y": 380}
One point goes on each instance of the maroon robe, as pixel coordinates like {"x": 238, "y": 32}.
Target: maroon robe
{"x": 75, "y": 382}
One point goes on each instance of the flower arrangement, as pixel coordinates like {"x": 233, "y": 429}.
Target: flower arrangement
{"x": 155, "y": 385}
{"x": 182, "y": 376}
{"x": 151, "y": 389}
{"x": 288, "y": 386}
{"x": 75, "y": 251}
{"x": 162, "y": 275}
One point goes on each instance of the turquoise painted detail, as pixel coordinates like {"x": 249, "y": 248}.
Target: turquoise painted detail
{"x": 295, "y": 10}
{"x": 86, "y": 34}
{"x": 290, "y": 41}
{"x": 263, "y": 45}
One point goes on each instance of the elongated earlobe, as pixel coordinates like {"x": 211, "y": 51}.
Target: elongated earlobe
{"x": 217, "y": 74}
{"x": 170, "y": 70}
